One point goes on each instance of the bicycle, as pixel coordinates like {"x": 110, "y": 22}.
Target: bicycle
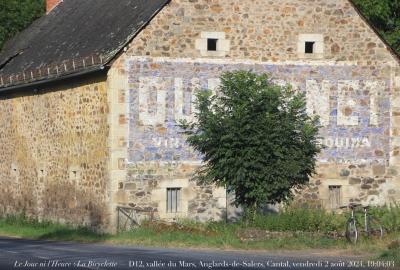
{"x": 372, "y": 226}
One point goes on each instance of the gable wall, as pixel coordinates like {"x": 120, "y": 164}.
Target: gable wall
{"x": 350, "y": 85}
{"x": 261, "y": 30}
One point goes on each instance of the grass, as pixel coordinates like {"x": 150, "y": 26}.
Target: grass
{"x": 391, "y": 255}
{"x": 311, "y": 219}
{"x": 218, "y": 235}
{"x": 226, "y": 240}
{"x": 302, "y": 219}
{"x": 27, "y": 228}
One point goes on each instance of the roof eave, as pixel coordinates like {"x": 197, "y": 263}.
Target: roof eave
{"x": 89, "y": 71}
{"x": 118, "y": 51}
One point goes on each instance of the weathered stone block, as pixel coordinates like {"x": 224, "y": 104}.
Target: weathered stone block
{"x": 130, "y": 186}
{"x": 140, "y": 194}
{"x": 122, "y": 119}
{"x": 368, "y": 180}
{"x": 365, "y": 186}
{"x": 121, "y": 163}
{"x": 378, "y": 170}
{"x": 354, "y": 180}
{"x": 392, "y": 171}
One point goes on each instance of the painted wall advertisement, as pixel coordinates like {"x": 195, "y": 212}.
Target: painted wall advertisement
{"x": 352, "y": 103}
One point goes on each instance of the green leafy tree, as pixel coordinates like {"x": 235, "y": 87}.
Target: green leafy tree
{"x": 385, "y": 16}
{"x": 255, "y": 137}
{"x": 15, "y": 15}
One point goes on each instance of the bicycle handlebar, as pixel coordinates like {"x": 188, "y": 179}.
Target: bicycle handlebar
{"x": 352, "y": 205}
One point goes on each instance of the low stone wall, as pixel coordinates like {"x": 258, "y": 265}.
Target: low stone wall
{"x": 252, "y": 235}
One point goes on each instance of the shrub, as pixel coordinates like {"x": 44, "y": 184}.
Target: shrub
{"x": 302, "y": 219}
{"x": 389, "y": 216}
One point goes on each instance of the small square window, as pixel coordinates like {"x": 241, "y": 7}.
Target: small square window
{"x": 335, "y": 197}
{"x": 212, "y": 44}
{"x": 173, "y": 200}
{"x": 309, "y": 47}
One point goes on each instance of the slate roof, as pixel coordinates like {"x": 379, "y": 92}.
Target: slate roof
{"x": 76, "y": 35}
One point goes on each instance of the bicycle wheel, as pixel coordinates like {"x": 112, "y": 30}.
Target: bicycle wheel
{"x": 351, "y": 231}
{"x": 375, "y": 229}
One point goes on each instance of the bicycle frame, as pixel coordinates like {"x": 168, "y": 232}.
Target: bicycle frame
{"x": 366, "y": 220}
{"x": 352, "y": 234}
{"x": 353, "y": 216}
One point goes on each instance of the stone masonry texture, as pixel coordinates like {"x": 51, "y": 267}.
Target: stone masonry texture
{"x": 262, "y": 30}
{"x": 54, "y": 153}
{"x": 350, "y": 87}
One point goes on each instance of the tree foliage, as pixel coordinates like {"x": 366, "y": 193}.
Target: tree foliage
{"x": 15, "y": 15}
{"x": 256, "y": 138}
{"x": 385, "y": 16}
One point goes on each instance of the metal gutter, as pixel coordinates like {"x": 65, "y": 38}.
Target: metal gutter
{"x": 56, "y": 79}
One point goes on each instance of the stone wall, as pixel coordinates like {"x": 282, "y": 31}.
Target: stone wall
{"x": 355, "y": 120}
{"x": 349, "y": 81}
{"x": 146, "y": 190}
{"x": 262, "y": 30}
{"x": 54, "y": 157}
{"x": 395, "y": 123}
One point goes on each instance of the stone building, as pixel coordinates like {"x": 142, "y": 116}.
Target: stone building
{"x": 91, "y": 92}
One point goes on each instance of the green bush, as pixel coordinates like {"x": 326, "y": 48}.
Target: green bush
{"x": 389, "y": 216}
{"x": 309, "y": 219}
{"x": 302, "y": 219}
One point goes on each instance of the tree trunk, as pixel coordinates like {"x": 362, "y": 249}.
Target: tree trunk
{"x": 250, "y": 213}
